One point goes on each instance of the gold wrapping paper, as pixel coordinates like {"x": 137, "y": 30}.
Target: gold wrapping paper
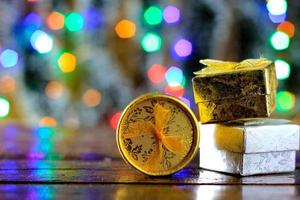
{"x": 157, "y": 134}
{"x": 229, "y": 90}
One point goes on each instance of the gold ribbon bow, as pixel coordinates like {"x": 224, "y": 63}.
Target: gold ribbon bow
{"x": 218, "y": 65}
{"x": 173, "y": 143}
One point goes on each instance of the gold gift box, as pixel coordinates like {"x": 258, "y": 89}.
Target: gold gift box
{"x": 158, "y": 134}
{"x": 227, "y": 91}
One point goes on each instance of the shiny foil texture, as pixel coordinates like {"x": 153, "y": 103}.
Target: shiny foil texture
{"x": 227, "y": 91}
{"x": 249, "y": 147}
{"x": 158, "y": 134}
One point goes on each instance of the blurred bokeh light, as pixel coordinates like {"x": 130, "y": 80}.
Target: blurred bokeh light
{"x": 77, "y": 64}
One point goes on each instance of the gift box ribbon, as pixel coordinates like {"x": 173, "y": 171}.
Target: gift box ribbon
{"x": 217, "y": 65}
{"x": 173, "y": 143}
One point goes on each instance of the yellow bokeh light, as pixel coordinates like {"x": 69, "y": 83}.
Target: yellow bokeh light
{"x": 91, "y": 98}
{"x": 54, "y": 90}
{"x": 47, "y": 121}
{"x": 67, "y": 62}
{"x": 7, "y": 84}
{"x": 125, "y": 28}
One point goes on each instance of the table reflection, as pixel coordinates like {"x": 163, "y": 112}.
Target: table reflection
{"x": 218, "y": 192}
{"x": 136, "y": 191}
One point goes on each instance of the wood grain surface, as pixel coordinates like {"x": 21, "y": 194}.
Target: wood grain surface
{"x": 39, "y": 164}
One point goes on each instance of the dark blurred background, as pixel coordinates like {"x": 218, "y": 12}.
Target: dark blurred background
{"x": 74, "y": 65}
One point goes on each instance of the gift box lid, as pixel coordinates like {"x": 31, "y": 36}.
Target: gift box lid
{"x": 221, "y": 79}
{"x": 158, "y": 134}
{"x": 251, "y": 136}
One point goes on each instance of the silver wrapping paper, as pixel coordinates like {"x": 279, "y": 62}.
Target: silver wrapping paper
{"x": 247, "y": 164}
{"x": 251, "y": 136}
{"x": 249, "y": 147}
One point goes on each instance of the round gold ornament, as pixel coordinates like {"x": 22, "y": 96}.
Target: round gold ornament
{"x": 158, "y": 134}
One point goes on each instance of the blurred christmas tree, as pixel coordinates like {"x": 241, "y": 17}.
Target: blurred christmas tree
{"x": 78, "y": 63}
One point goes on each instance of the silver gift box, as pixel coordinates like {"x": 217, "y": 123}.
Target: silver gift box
{"x": 249, "y": 147}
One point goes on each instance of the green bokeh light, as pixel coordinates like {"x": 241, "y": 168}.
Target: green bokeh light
{"x": 280, "y": 40}
{"x": 183, "y": 83}
{"x": 153, "y": 15}
{"x": 151, "y": 42}
{"x": 285, "y": 101}
{"x": 4, "y": 107}
{"x": 74, "y": 22}
{"x": 283, "y": 69}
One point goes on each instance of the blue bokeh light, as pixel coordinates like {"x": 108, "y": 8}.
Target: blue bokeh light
{"x": 9, "y": 58}
{"x": 174, "y": 76}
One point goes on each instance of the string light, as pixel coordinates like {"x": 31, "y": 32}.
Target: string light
{"x": 280, "y": 40}
{"x": 174, "y": 76}
{"x": 156, "y": 73}
{"x": 277, "y": 18}
{"x": 183, "y": 83}
{"x": 153, "y": 15}
{"x": 151, "y": 42}
{"x": 277, "y": 7}
{"x": 91, "y": 98}
{"x": 47, "y": 121}
{"x": 92, "y": 18}
{"x": 177, "y": 91}
{"x": 114, "y": 120}
{"x": 67, "y": 62}
{"x": 41, "y": 42}
{"x": 282, "y": 69}
{"x": 183, "y": 48}
{"x": 7, "y": 84}
{"x": 125, "y": 28}
{"x": 171, "y": 14}
{"x": 287, "y": 27}
{"x": 285, "y": 101}
{"x": 44, "y": 132}
{"x": 4, "y": 107}
{"x": 54, "y": 90}
{"x": 33, "y": 21}
{"x": 9, "y": 58}
{"x": 55, "y": 21}
{"x": 74, "y": 22}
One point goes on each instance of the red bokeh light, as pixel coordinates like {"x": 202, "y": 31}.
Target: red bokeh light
{"x": 114, "y": 120}
{"x": 156, "y": 73}
{"x": 287, "y": 27}
{"x": 177, "y": 91}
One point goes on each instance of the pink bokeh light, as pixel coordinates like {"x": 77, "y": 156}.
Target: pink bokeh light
{"x": 171, "y": 14}
{"x": 183, "y": 48}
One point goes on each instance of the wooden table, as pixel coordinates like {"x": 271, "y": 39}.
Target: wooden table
{"x": 86, "y": 165}
{"x": 113, "y": 179}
